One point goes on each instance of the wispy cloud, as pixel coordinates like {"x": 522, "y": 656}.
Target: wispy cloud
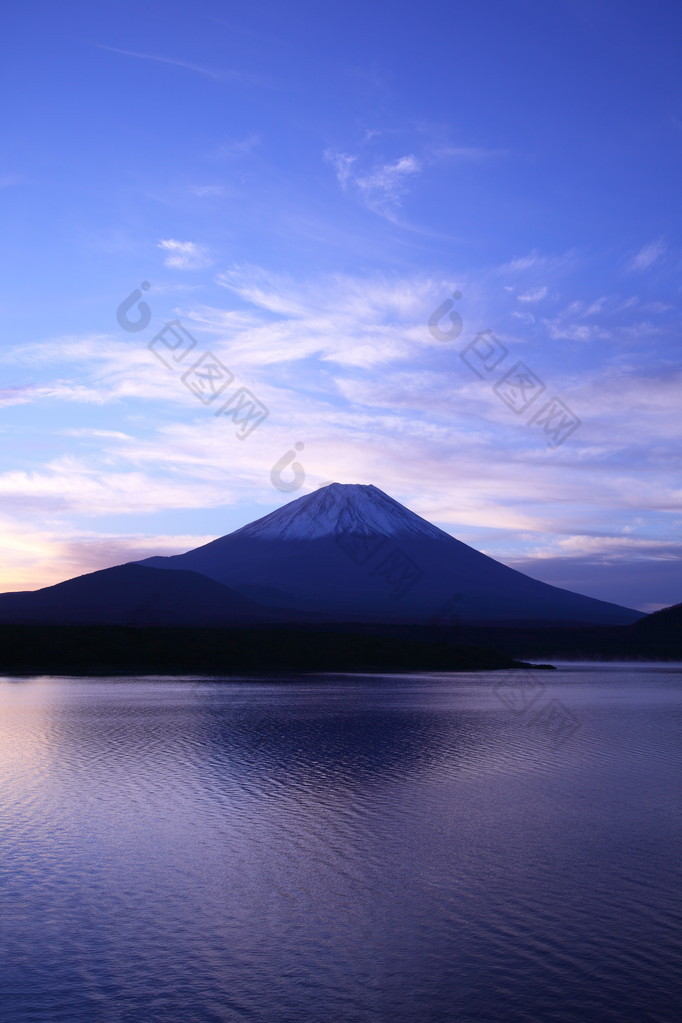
{"x": 648, "y": 255}
{"x": 217, "y": 76}
{"x": 609, "y": 318}
{"x": 619, "y": 548}
{"x": 184, "y": 255}
{"x": 207, "y": 191}
{"x": 341, "y": 319}
{"x": 537, "y": 261}
{"x": 469, "y": 152}
{"x": 238, "y": 147}
{"x": 347, "y": 365}
{"x": 70, "y": 483}
{"x": 533, "y": 294}
{"x": 381, "y": 187}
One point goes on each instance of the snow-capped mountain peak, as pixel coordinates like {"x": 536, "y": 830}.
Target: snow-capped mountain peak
{"x": 351, "y": 553}
{"x": 340, "y": 508}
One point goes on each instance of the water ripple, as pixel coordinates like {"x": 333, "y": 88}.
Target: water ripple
{"x": 358, "y": 848}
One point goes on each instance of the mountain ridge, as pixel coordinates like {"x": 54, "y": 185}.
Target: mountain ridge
{"x": 351, "y": 552}
{"x": 338, "y": 507}
{"x": 133, "y": 595}
{"x": 345, "y": 553}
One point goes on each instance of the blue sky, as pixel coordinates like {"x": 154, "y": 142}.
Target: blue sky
{"x": 302, "y": 187}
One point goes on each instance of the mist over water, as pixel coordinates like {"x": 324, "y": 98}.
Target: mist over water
{"x": 348, "y": 848}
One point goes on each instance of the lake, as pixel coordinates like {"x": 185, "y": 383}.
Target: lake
{"x": 441, "y": 848}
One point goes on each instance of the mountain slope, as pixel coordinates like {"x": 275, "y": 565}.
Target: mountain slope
{"x": 659, "y": 634}
{"x": 132, "y": 595}
{"x": 350, "y": 552}
{"x": 666, "y": 622}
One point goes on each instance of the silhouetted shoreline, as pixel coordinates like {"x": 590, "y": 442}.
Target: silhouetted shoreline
{"x": 98, "y": 649}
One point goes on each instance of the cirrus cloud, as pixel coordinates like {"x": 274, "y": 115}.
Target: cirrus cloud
{"x": 184, "y": 255}
{"x": 647, "y": 256}
{"x": 381, "y": 187}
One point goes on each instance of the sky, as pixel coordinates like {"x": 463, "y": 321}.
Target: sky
{"x": 251, "y": 248}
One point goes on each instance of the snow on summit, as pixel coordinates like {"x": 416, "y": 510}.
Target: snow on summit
{"x": 349, "y": 552}
{"x": 340, "y": 507}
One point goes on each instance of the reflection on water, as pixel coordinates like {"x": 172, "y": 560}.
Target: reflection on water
{"x": 340, "y": 848}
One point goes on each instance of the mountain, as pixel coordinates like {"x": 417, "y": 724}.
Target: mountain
{"x": 666, "y": 622}
{"x": 346, "y": 553}
{"x": 132, "y": 595}
{"x": 659, "y": 634}
{"x": 349, "y": 552}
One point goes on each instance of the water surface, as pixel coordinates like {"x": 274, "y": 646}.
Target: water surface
{"x": 435, "y": 848}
